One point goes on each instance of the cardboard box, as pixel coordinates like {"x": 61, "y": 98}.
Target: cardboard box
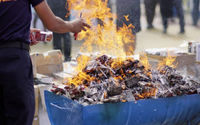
{"x": 47, "y": 63}
{"x": 62, "y": 77}
{"x": 54, "y": 57}
{"x": 181, "y": 60}
{"x": 49, "y": 69}
{"x": 47, "y": 58}
{"x": 38, "y": 59}
{"x": 198, "y": 52}
{"x": 36, "y": 90}
{"x": 42, "y": 88}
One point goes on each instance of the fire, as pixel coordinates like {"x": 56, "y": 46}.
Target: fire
{"x": 144, "y": 60}
{"x": 81, "y": 76}
{"x": 80, "y": 79}
{"x": 126, "y": 17}
{"x": 6, "y": 0}
{"x": 103, "y": 37}
{"x": 150, "y": 93}
{"x": 82, "y": 62}
{"x": 168, "y": 61}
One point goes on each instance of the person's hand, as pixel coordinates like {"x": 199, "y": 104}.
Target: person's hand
{"x": 78, "y": 25}
{"x": 33, "y": 33}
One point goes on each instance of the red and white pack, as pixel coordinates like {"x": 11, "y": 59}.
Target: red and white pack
{"x": 41, "y": 36}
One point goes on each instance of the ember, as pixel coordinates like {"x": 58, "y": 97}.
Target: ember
{"x": 128, "y": 80}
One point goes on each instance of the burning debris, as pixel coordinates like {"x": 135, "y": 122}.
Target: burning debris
{"x": 107, "y": 79}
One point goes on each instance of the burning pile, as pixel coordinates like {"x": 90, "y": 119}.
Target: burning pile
{"x": 107, "y": 79}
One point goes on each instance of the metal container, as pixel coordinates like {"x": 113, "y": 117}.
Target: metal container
{"x": 163, "y": 111}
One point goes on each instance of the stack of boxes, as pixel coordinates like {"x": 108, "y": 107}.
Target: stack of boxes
{"x": 47, "y": 63}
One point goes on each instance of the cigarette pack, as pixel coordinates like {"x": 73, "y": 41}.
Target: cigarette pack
{"x": 43, "y": 36}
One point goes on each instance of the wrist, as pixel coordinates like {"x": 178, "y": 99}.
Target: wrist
{"x": 70, "y": 26}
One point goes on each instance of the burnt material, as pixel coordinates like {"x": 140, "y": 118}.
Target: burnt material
{"x": 112, "y": 80}
{"x": 132, "y": 82}
{"x": 114, "y": 90}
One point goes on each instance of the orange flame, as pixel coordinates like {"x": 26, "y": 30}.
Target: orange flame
{"x": 151, "y": 93}
{"x": 80, "y": 78}
{"x": 6, "y": 0}
{"x": 82, "y": 62}
{"x": 126, "y": 17}
{"x": 168, "y": 61}
{"x": 104, "y": 36}
{"x": 144, "y": 61}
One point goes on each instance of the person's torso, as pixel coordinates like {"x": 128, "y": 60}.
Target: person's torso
{"x": 59, "y": 8}
{"x": 15, "y": 17}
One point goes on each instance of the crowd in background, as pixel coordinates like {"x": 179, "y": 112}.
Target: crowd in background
{"x": 169, "y": 9}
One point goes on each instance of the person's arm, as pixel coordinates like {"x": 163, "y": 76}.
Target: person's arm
{"x": 55, "y": 23}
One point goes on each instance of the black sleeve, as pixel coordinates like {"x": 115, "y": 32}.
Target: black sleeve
{"x": 35, "y": 2}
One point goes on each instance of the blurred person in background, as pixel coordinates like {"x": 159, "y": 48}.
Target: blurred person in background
{"x": 17, "y": 101}
{"x": 195, "y": 12}
{"x": 166, "y": 7}
{"x": 35, "y": 18}
{"x": 130, "y": 8}
{"x": 150, "y": 8}
{"x": 61, "y": 41}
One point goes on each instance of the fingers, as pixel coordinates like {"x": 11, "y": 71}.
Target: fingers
{"x": 35, "y": 30}
{"x": 33, "y": 40}
{"x": 34, "y": 43}
{"x": 83, "y": 28}
{"x": 32, "y": 36}
{"x": 79, "y": 25}
{"x": 86, "y": 25}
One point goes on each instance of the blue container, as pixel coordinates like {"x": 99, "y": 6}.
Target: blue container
{"x": 183, "y": 110}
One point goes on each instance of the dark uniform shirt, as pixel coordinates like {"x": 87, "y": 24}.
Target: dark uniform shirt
{"x": 15, "y": 19}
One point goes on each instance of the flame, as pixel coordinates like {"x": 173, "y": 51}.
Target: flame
{"x": 104, "y": 36}
{"x": 6, "y": 0}
{"x": 150, "y": 93}
{"x": 117, "y": 62}
{"x": 168, "y": 61}
{"x": 79, "y": 79}
{"x": 82, "y": 62}
{"x": 81, "y": 76}
{"x": 144, "y": 61}
{"x": 126, "y": 17}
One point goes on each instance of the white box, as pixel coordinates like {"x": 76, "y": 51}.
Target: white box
{"x": 198, "y": 52}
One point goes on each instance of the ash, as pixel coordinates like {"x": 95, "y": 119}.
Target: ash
{"x": 127, "y": 80}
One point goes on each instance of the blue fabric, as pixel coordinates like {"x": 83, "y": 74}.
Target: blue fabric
{"x": 15, "y": 19}
{"x": 166, "y": 111}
